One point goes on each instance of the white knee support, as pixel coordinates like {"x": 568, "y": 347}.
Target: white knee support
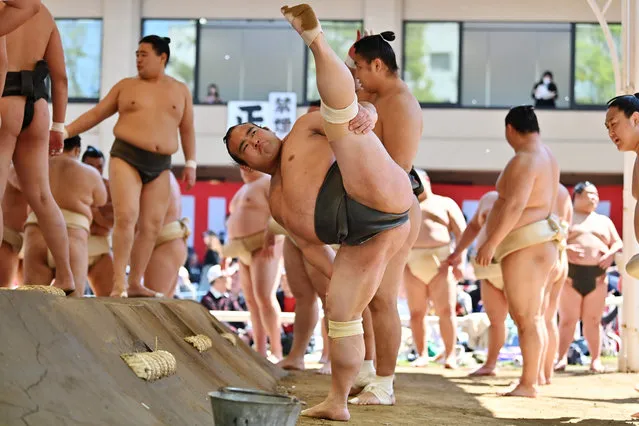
{"x": 339, "y": 116}
{"x": 338, "y": 329}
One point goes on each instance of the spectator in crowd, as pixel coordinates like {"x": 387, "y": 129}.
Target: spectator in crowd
{"x": 213, "y": 95}
{"x": 545, "y": 92}
{"x": 193, "y": 266}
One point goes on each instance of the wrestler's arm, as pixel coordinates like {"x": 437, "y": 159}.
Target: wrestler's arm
{"x": 457, "y": 223}
{"x": 187, "y": 129}
{"x": 103, "y": 110}
{"x": 15, "y": 13}
{"x": 99, "y": 190}
{"x": 517, "y": 182}
{"x": 635, "y": 176}
{"x": 13, "y": 179}
{"x": 399, "y": 131}
{"x": 616, "y": 243}
{"x": 469, "y": 234}
{"x": 54, "y": 55}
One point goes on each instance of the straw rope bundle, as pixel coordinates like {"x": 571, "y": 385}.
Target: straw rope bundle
{"x": 151, "y": 366}
{"x": 200, "y": 342}
{"x": 43, "y": 289}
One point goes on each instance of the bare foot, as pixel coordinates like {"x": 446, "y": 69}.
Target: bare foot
{"x": 483, "y": 371}
{"x": 422, "y": 361}
{"x": 328, "y": 410}
{"x": 635, "y": 416}
{"x": 118, "y": 293}
{"x": 273, "y": 358}
{"x": 290, "y": 363}
{"x": 522, "y": 390}
{"x": 68, "y": 286}
{"x": 597, "y": 367}
{"x": 141, "y": 291}
{"x": 324, "y": 359}
{"x": 637, "y": 387}
{"x": 561, "y": 365}
{"x": 541, "y": 380}
{"x": 451, "y": 363}
{"x": 355, "y": 390}
{"x": 325, "y": 369}
{"x": 373, "y": 395}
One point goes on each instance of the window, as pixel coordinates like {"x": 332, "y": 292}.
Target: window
{"x": 248, "y": 59}
{"x": 183, "y": 36}
{"x": 82, "y": 42}
{"x": 431, "y": 61}
{"x": 340, "y": 35}
{"x": 594, "y": 78}
{"x": 501, "y": 62}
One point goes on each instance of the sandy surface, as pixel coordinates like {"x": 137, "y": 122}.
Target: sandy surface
{"x": 434, "y": 396}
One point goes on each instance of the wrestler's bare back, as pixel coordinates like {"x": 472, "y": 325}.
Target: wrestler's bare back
{"x": 174, "y": 211}
{"x": 14, "y": 204}
{"x": 543, "y": 168}
{"x": 305, "y": 159}
{"x": 486, "y": 203}
{"x": 398, "y": 110}
{"x": 107, "y": 213}
{"x": 150, "y": 112}
{"x": 28, "y": 43}
{"x": 435, "y": 227}
{"x": 75, "y": 186}
{"x": 592, "y": 234}
{"x": 249, "y": 209}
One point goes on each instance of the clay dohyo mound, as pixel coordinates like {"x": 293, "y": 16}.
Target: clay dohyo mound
{"x": 60, "y": 361}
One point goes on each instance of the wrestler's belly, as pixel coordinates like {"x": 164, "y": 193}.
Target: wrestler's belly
{"x": 532, "y": 215}
{"x": 244, "y": 222}
{"x": 75, "y": 206}
{"x": 148, "y": 132}
{"x": 593, "y": 248}
{"x": 432, "y": 236}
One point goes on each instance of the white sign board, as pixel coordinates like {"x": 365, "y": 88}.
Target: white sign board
{"x": 283, "y": 107}
{"x": 239, "y": 112}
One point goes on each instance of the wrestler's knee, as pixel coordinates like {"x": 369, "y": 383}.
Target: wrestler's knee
{"x": 445, "y": 311}
{"x": 591, "y": 319}
{"x": 418, "y": 313}
{"x": 150, "y": 226}
{"x": 382, "y": 304}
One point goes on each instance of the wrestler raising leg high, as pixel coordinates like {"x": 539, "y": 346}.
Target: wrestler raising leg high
{"x": 35, "y": 52}
{"x": 152, "y": 109}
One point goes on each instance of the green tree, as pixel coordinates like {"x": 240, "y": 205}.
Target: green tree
{"x": 182, "y": 66}
{"x": 415, "y": 51}
{"x": 73, "y": 40}
{"x": 594, "y": 77}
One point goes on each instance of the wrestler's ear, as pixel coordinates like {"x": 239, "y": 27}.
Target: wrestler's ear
{"x": 377, "y": 64}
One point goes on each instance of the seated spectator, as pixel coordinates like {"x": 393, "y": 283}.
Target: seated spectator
{"x": 213, "y": 95}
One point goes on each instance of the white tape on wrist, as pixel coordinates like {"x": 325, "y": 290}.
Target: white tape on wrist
{"x": 59, "y": 127}
{"x": 191, "y": 163}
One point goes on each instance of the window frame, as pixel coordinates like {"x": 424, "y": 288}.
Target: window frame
{"x": 75, "y": 100}
{"x": 574, "y": 105}
{"x": 196, "y": 71}
{"x": 460, "y": 46}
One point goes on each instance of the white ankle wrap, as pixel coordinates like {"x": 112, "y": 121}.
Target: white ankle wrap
{"x": 339, "y": 116}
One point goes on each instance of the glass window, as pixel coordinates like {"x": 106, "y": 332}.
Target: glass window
{"x": 182, "y": 34}
{"x": 248, "y": 59}
{"x": 594, "y": 78}
{"x": 82, "y": 42}
{"x": 340, "y": 36}
{"x": 431, "y": 61}
{"x": 502, "y": 62}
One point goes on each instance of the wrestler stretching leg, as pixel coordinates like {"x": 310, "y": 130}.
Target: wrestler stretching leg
{"x": 362, "y": 266}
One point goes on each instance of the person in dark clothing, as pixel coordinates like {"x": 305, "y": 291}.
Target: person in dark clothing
{"x": 545, "y": 92}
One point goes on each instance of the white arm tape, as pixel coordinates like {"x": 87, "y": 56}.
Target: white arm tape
{"x": 59, "y": 127}
{"x": 191, "y": 163}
